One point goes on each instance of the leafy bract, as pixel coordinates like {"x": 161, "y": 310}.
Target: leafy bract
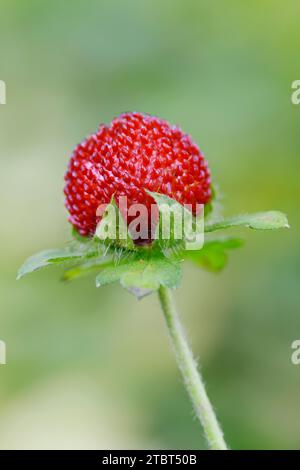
{"x": 143, "y": 269}
{"x": 177, "y": 225}
{"x": 213, "y": 256}
{"x": 270, "y": 220}
{"x": 112, "y": 228}
{"x": 87, "y": 268}
{"x": 46, "y": 258}
{"x": 142, "y": 276}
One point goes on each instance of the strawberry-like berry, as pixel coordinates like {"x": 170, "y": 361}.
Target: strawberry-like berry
{"x": 136, "y": 152}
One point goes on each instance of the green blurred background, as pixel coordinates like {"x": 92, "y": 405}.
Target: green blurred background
{"x": 90, "y": 368}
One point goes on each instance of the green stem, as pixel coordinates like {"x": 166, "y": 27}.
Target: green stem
{"x": 192, "y": 378}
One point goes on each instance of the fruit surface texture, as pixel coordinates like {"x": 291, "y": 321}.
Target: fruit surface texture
{"x": 135, "y": 153}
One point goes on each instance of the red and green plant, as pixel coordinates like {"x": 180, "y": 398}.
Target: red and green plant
{"x": 150, "y": 162}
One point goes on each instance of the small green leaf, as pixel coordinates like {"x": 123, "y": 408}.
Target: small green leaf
{"x": 46, "y": 258}
{"x": 142, "y": 276}
{"x": 260, "y": 221}
{"x": 87, "y": 268}
{"x": 213, "y": 205}
{"x": 139, "y": 284}
{"x": 213, "y": 256}
{"x": 112, "y": 228}
{"x": 111, "y": 274}
{"x": 177, "y": 225}
{"x": 79, "y": 238}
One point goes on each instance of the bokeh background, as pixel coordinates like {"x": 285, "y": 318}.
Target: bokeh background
{"x": 90, "y": 368}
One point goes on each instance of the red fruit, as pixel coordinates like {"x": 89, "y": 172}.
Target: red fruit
{"x": 136, "y": 152}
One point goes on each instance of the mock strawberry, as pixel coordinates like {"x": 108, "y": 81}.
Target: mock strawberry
{"x": 136, "y": 152}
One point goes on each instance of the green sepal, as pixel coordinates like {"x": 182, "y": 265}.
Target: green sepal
{"x": 177, "y": 235}
{"x": 79, "y": 238}
{"x": 87, "y": 268}
{"x": 140, "y": 270}
{"x": 143, "y": 275}
{"x": 112, "y": 229}
{"x": 213, "y": 256}
{"x": 213, "y": 207}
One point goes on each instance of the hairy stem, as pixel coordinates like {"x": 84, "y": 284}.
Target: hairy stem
{"x": 192, "y": 378}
